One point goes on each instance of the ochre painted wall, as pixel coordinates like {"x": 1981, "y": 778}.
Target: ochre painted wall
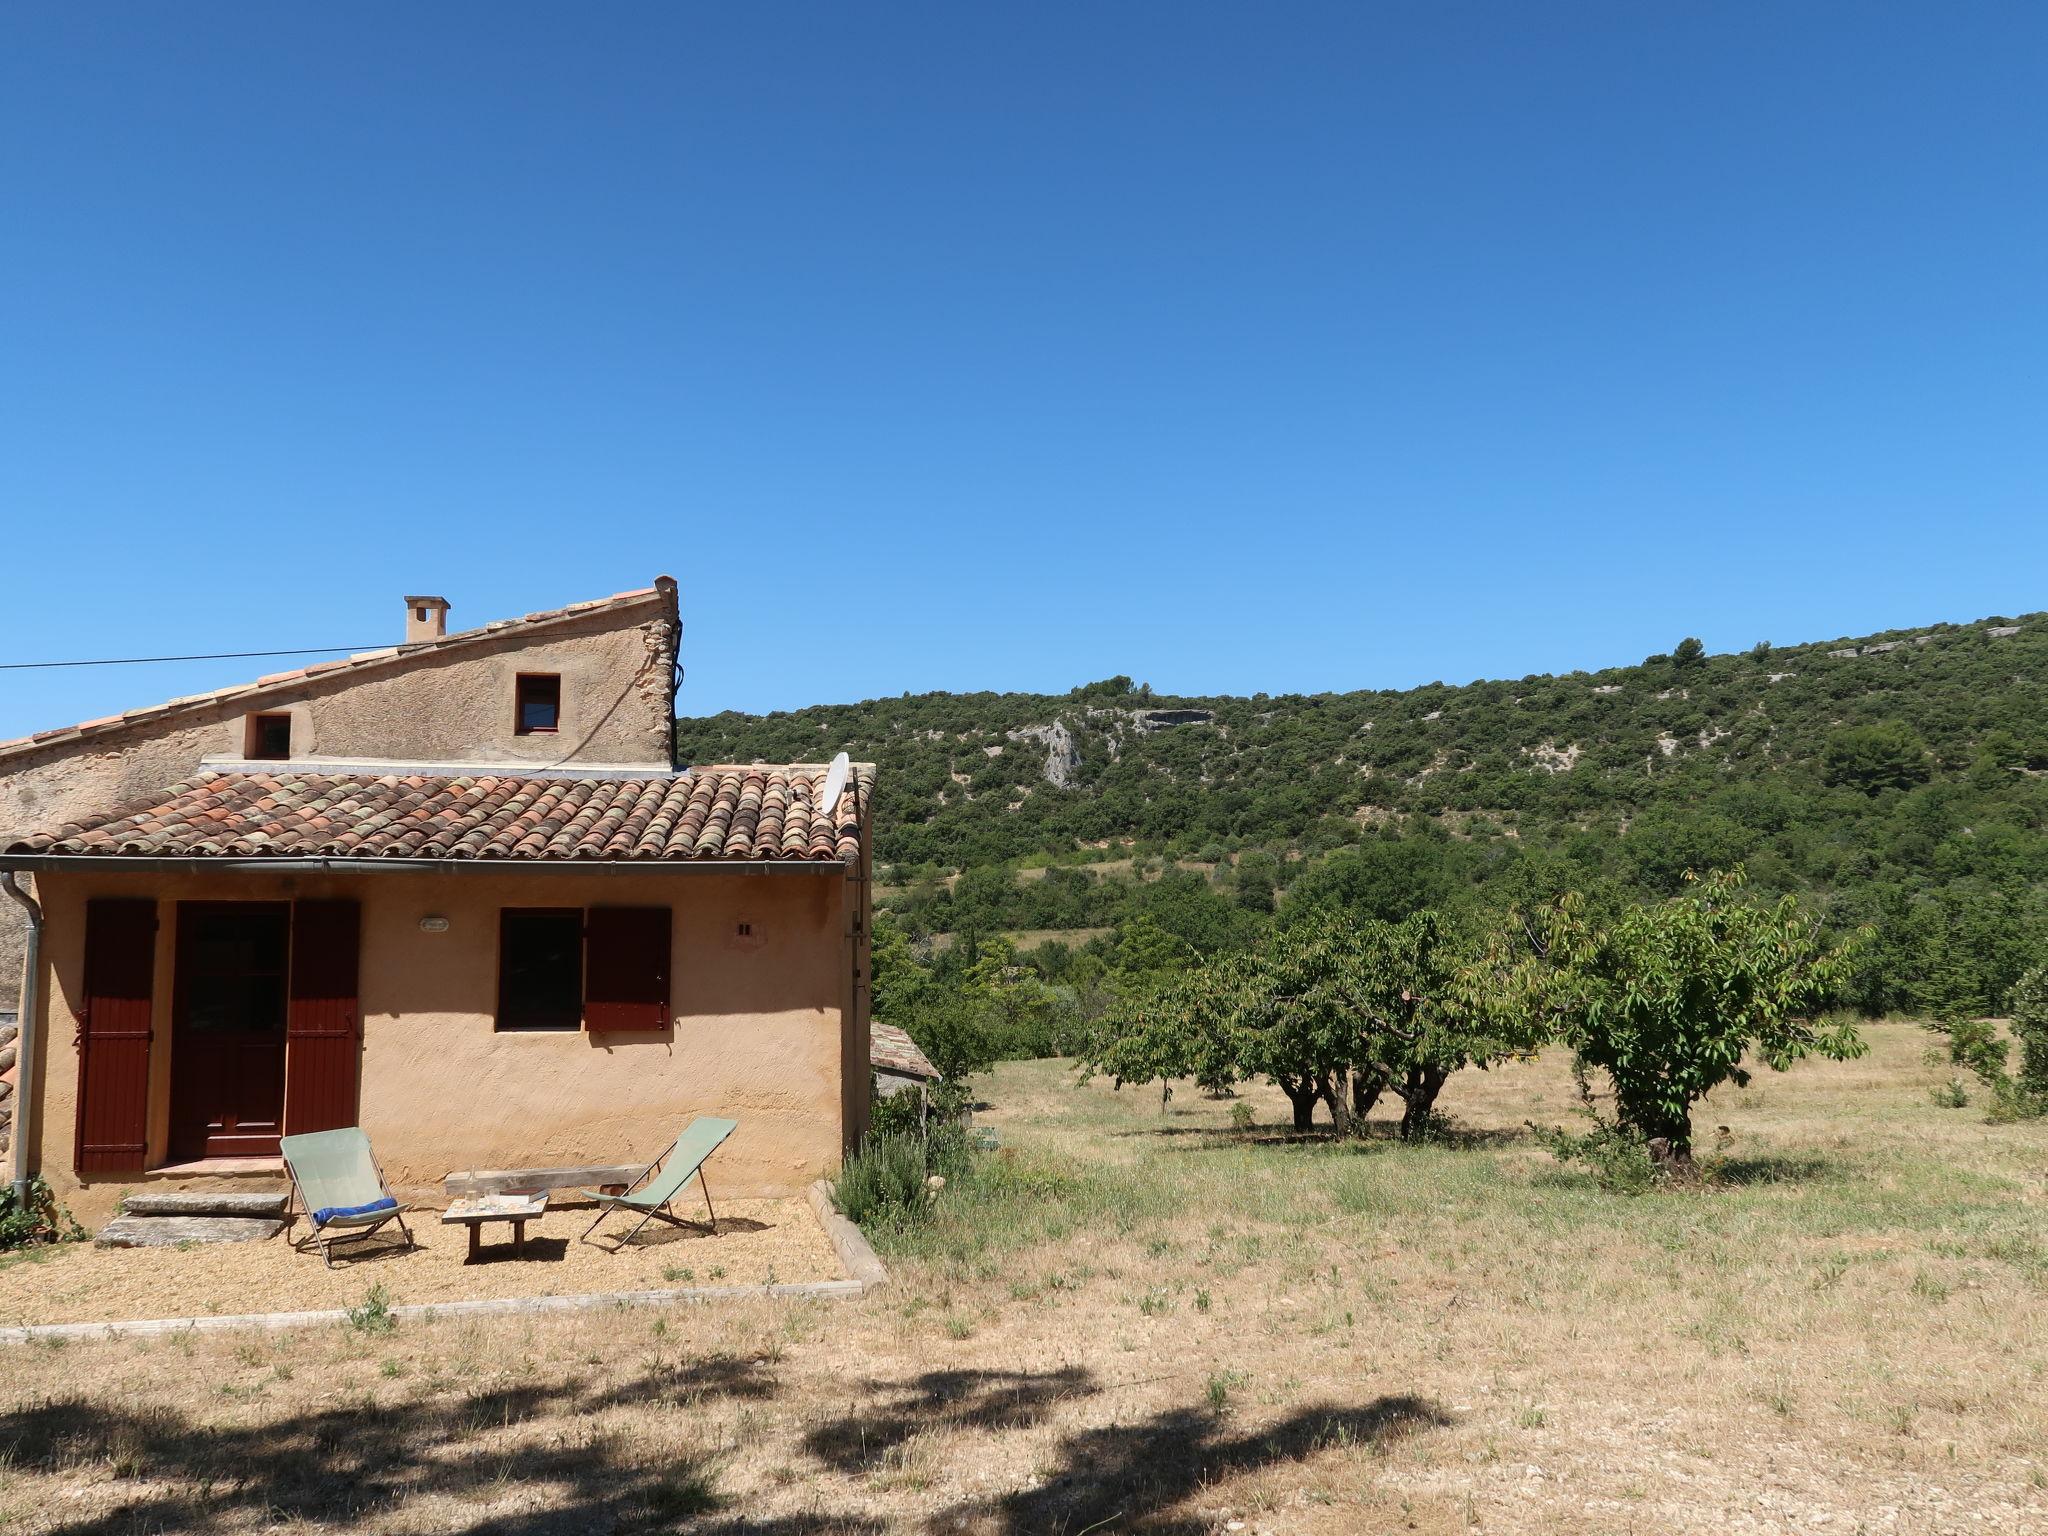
{"x": 439, "y": 704}
{"x": 761, "y": 1028}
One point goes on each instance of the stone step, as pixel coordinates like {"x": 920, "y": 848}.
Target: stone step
{"x": 205, "y": 1202}
{"x": 166, "y": 1231}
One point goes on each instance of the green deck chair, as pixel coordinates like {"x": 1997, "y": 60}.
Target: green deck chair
{"x": 677, "y": 1164}
{"x": 341, "y": 1189}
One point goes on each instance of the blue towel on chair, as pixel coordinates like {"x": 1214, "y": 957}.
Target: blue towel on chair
{"x": 327, "y": 1213}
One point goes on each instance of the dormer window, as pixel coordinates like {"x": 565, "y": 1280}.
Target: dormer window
{"x": 268, "y": 738}
{"x": 539, "y": 704}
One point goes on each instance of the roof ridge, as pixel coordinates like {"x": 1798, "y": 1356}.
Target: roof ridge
{"x": 360, "y": 661}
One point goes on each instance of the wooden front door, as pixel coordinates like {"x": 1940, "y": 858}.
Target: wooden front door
{"x": 228, "y": 1028}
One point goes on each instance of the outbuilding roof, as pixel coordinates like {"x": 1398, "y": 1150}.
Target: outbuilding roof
{"x": 752, "y": 812}
{"x": 892, "y": 1050}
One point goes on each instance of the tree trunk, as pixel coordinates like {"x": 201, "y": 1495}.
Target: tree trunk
{"x": 1418, "y": 1093}
{"x": 1301, "y": 1093}
{"x": 1337, "y": 1094}
{"x": 1366, "y": 1088}
{"x": 1670, "y": 1147}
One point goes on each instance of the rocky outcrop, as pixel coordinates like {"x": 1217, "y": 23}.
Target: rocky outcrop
{"x": 1166, "y": 719}
{"x": 1062, "y": 754}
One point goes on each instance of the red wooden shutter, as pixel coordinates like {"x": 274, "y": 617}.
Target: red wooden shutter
{"x": 320, "y": 1027}
{"x": 113, "y": 1035}
{"x": 625, "y": 968}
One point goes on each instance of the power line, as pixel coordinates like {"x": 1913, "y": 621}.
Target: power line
{"x": 136, "y": 661}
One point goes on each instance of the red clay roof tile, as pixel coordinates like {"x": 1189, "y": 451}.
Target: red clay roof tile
{"x": 754, "y": 812}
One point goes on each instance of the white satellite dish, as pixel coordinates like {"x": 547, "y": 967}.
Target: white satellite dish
{"x": 835, "y": 785}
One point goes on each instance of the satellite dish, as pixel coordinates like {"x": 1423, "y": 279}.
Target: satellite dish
{"x": 835, "y": 785}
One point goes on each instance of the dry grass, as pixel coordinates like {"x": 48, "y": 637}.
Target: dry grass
{"x": 1129, "y": 1321}
{"x": 759, "y": 1241}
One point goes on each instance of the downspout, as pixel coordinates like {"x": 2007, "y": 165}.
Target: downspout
{"x": 25, "y": 1043}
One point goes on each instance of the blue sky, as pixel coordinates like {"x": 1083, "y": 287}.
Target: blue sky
{"x": 1236, "y": 348}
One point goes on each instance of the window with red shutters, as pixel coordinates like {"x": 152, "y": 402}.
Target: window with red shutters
{"x": 626, "y": 960}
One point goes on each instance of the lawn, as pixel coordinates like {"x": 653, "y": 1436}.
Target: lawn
{"x": 1127, "y": 1320}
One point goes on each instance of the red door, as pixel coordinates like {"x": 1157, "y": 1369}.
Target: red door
{"x": 228, "y": 1028}
{"x": 321, "y": 1034}
{"x": 113, "y": 1035}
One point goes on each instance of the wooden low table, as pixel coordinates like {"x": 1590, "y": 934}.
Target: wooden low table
{"x": 518, "y": 1209}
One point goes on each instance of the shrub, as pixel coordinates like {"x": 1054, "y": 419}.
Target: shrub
{"x": 42, "y": 1220}
{"x": 373, "y": 1315}
{"x": 2028, "y": 1006}
{"x": 1976, "y": 1044}
{"x": 897, "y": 1114}
{"x": 1952, "y": 1095}
{"x": 1618, "y": 1161}
{"x": 884, "y": 1180}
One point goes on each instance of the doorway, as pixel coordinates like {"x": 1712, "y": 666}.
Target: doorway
{"x": 228, "y": 1028}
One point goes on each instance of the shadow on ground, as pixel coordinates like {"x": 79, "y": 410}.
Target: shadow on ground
{"x": 363, "y": 1463}
{"x": 1374, "y": 1133}
{"x": 1131, "y": 1476}
{"x": 360, "y": 1463}
{"x": 863, "y": 1440}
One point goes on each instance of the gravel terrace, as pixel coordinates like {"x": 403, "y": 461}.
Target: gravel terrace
{"x": 759, "y": 1242}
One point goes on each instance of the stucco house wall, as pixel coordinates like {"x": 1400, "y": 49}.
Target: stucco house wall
{"x": 769, "y": 1026}
{"x": 448, "y": 701}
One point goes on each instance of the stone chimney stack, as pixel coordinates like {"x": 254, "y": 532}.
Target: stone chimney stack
{"x": 426, "y": 618}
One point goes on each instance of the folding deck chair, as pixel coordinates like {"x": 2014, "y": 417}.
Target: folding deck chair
{"x": 338, "y": 1184}
{"x": 677, "y": 1164}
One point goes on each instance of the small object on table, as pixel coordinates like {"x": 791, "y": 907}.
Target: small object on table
{"x": 518, "y": 1209}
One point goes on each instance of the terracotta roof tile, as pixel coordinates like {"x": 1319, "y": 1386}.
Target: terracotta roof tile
{"x": 892, "y": 1050}
{"x": 752, "y": 812}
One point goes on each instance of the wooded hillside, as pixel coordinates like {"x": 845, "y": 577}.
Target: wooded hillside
{"x": 1901, "y": 779}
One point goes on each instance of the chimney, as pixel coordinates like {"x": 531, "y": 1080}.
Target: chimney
{"x": 426, "y": 618}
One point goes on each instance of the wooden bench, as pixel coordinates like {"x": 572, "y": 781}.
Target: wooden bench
{"x": 524, "y": 1181}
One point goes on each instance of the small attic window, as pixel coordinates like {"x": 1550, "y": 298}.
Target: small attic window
{"x": 540, "y": 703}
{"x": 268, "y": 739}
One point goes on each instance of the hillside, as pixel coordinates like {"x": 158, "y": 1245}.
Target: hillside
{"x": 1900, "y": 778}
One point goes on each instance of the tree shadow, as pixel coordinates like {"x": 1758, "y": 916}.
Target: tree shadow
{"x": 365, "y": 1463}
{"x": 361, "y": 1462}
{"x": 1132, "y": 1476}
{"x": 961, "y": 1399}
{"x": 1372, "y": 1134}
{"x": 1771, "y": 1168}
